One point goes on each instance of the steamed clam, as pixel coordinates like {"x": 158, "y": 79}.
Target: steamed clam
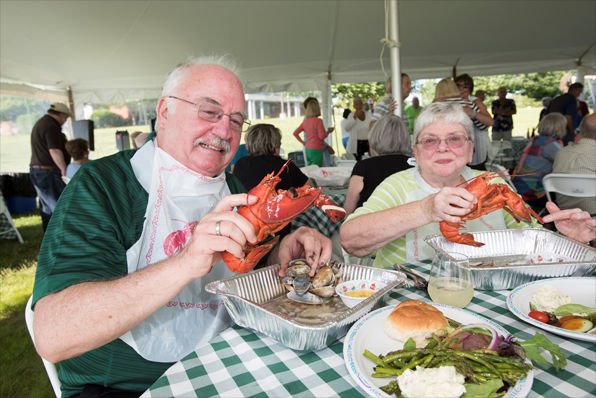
{"x": 322, "y": 284}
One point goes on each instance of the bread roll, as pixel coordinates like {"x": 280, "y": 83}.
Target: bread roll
{"x": 414, "y": 319}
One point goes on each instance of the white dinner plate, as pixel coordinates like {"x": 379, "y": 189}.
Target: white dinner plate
{"x": 368, "y": 334}
{"x": 581, "y": 290}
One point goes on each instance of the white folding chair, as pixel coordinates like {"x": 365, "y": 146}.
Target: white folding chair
{"x": 4, "y": 210}
{"x": 576, "y": 185}
{"x": 51, "y": 368}
{"x": 497, "y": 168}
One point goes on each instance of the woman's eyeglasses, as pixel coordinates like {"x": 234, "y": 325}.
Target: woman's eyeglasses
{"x": 213, "y": 114}
{"x": 453, "y": 142}
{"x": 463, "y": 85}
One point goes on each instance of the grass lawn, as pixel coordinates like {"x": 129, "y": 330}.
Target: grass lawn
{"x": 23, "y": 374}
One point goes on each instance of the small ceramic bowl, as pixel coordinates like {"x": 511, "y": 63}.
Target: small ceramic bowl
{"x": 353, "y": 293}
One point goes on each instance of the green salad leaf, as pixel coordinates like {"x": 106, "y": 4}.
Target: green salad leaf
{"x": 410, "y": 344}
{"x": 570, "y": 309}
{"x": 487, "y": 389}
{"x": 531, "y": 347}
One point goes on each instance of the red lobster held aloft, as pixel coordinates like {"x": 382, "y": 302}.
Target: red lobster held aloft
{"x": 490, "y": 198}
{"x": 272, "y": 212}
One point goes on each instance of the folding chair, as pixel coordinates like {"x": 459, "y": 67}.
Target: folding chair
{"x": 51, "y": 368}
{"x": 576, "y": 185}
{"x": 496, "y": 168}
{"x": 4, "y": 210}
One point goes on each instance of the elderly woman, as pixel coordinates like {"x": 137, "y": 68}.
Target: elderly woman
{"x": 358, "y": 125}
{"x": 482, "y": 121}
{"x": 389, "y": 140}
{"x": 408, "y": 205}
{"x": 538, "y": 158}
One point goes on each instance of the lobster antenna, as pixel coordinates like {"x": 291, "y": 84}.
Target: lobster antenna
{"x": 497, "y": 173}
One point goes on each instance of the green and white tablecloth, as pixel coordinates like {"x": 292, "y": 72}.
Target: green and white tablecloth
{"x": 244, "y": 363}
{"x": 318, "y": 219}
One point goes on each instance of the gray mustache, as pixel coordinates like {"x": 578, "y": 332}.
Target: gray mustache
{"x": 218, "y": 142}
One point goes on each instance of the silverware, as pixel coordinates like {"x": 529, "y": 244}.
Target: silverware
{"x": 420, "y": 280}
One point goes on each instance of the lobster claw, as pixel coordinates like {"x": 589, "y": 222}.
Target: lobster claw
{"x": 333, "y": 210}
{"x": 252, "y": 255}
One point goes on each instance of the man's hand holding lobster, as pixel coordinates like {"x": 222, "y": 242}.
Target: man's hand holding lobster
{"x": 205, "y": 246}
{"x": 449, "y": 204}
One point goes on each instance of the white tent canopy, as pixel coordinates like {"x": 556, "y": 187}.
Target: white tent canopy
{"x": 107, "y": 50}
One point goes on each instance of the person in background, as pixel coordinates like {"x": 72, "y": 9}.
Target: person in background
{"x": 579, "y": 158}
{"x": 345, "y": 133}
{"x": 389, "y": 141}
{"x": 537, "y": 159}
{"x": 239, "y": 154}
{"x": 358, "y": 124}
{"x": 141, "y": 230}
{"x": 263, "y": 142}
{"x": 133, "y": 136}
{"x": 481, "y": 95}
{"x": 49, "y": 159}
{"x": 79, "y": 150}
{"x": 566, "y": 105}
{"x": 482, "y": 145}
{"x": 388, "y": 104}
{"x": 412, "y": 112}
{"x": 545, "y": 102}
{"x": 408, "y": 206}
{"x": 503, "y": 109}
{"x": 315, "y": 133}
{"x": 371, "y": 105}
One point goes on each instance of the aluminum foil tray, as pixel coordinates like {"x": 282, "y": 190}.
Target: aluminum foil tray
{"x": 251, "y": 300}
{"x": 513, "y": 251}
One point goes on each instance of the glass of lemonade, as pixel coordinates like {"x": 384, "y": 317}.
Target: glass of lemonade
{"x": 450, "y": 280}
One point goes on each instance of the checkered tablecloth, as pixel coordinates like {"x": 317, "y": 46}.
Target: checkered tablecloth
{"x": 317, "y": 219}
{"x": 244, "y": 363}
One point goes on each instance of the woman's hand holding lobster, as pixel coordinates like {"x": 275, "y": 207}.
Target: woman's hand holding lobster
{"x": 203, "y": 250}
{"x": 449, "y": 204}
{"x": 305, "y": 243}
{"x": 573, "y": 223}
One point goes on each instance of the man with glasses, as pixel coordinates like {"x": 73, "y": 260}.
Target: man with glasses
{"x": 119, "y": 293}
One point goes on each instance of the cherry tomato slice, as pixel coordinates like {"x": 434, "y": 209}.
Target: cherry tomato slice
{"x": 539, "y": 316}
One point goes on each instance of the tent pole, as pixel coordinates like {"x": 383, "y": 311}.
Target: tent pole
{"x": 71, "y": 105}
{"x": 395, "y": 59}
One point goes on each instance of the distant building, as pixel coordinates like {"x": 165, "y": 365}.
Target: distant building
{"x": 273, "y": 105}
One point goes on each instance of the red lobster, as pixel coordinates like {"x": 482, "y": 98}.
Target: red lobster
{"x": 273, "y": 211}
{"x": 490, "y": 198}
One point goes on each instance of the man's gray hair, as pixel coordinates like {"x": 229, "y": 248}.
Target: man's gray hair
{"x": 389, "y": 135}
{"x": 545, "y": 101}
{"x": 587, "y": 128}
{"x": 172, "y": 79}
{"x": 448, "y": 112}
{"x": 553, "y": 125}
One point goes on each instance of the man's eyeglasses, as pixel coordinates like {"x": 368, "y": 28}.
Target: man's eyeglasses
{"x": 213, "y": 114}
{"x": 463, "y": 85}
{"x": 453, "y": 141}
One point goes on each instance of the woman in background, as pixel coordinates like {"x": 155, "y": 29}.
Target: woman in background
{"x": 358, "y": 126}
{"x": 79, "y": 150}
{"x": 538, "y": 158}
{"x": 482, "y": 121}
{"x": 315, "y": 133}
{"x": 345, "y": 133}
{"x": 263, "y": 143}
{"x": 389, "y": 140}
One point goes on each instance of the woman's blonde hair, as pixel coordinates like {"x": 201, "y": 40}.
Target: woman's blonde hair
{"x": 446, "y": 88}
{"x": 262, "y": 139}
{"x": 313, "y": 109}
{"x": 553, "y": 125}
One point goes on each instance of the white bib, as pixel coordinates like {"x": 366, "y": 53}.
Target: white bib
{"x": 416, "y": 248}
{"x": 178, "y": 199}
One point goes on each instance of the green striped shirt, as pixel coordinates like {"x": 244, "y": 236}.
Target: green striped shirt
{"x": 393, "y": 192}
{"x": 98, "y": 218}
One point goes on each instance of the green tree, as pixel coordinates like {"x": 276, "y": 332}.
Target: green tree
{"x": 104, "y": 118}
{"x": 532, "y": 85}
{"x": 345, "y": 92}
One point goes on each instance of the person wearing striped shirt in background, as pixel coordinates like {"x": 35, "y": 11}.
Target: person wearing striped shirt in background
{"x": 408, "y": 205}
